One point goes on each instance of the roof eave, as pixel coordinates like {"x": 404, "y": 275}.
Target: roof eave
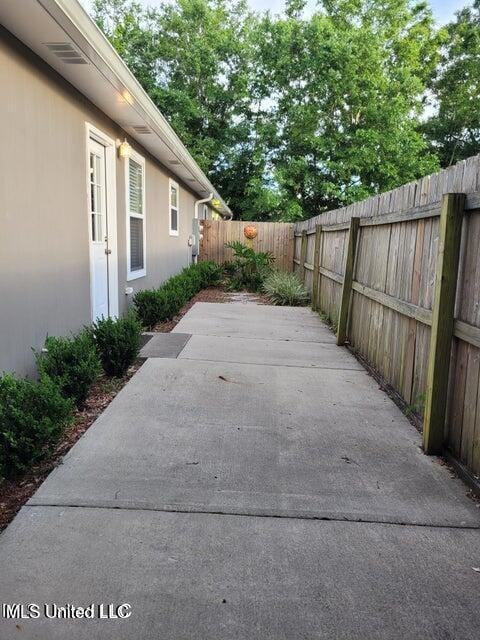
{"x": 105, "y": 54}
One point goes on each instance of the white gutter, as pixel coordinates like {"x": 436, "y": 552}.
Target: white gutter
{"x": 226, "y": 215}
{"x": 203, "y": 201}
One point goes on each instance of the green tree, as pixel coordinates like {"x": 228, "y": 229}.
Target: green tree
{"x": 348, "y": 85}
{"x": 455, "y": 128}
{"x": 288, "y": 115}
{"x": 194, "y": 59}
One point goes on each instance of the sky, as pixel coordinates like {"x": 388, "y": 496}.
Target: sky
{"x": 443, "y": 10}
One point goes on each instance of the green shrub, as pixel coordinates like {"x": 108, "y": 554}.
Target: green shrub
{"x": 159, "y": 305}
{"x": 150, "y": 307}
{"x": 285, "y": 289}
{"x": 33, "y": 415}
{"x": 249, "y": 268}
{"x": 210, "y": 272}
{"x": 229, "y": 269}
{"x": 117, "y": 342}
{"x": 72, "y": 363}
{"x": 3, "y": 465}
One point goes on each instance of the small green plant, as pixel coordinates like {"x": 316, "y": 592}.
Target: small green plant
{"x": 331, "y": 322}
{"x": 117, "y": 342}
{"x": 229, "y": 269}
{"x": 210, "y": 273}
{"x": 72, "y": 363}
{"x": 249, "y": 268}
{"x": 285, "y": 289}
{"x": 151, "y": 307}
{"x": 164, "y": 303}
{"x": 417, "y": 407}
{"x": 33, "y": 415}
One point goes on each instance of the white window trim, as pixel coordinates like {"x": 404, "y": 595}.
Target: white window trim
{"x": 173, "y": 232}
{"x": 138, "y": 273}
{"x": 111, "y": 177}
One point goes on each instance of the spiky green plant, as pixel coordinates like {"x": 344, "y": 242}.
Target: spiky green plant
{"x": 285, "y": 289}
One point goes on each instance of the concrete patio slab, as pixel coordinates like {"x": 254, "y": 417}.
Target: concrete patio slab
{"x": 255, "y": 322}
{"x": 258, "y": 439}
{"x": 212, "y": 577}
{"x": 250, "y": 489}
{"x": 270, "y": 352}
{"x": 164, "y": 345}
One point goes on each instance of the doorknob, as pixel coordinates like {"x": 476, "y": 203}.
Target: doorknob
{"x": 108, "y": 251}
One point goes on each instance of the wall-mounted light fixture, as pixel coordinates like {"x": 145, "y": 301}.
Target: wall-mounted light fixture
{"x": 124, "y": 150}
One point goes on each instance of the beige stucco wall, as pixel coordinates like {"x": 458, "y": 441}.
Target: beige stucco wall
{"x": 44, "y": 255}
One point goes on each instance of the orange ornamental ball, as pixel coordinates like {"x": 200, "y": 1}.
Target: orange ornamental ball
{"x": 250, "y": 232}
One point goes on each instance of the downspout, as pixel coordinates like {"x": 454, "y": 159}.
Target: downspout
{"x": 203, "y": 201}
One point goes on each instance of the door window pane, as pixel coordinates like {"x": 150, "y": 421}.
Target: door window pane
{"x": 96, "y": 197}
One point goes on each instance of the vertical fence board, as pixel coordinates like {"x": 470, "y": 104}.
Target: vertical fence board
{"x": 442, "y": 321}
{"x": 316, "y": 262}
{"x": 347, "y": 281}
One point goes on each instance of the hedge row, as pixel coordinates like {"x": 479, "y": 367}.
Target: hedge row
{"x": 164, "y": 303}
{"x": 34, "y": 414}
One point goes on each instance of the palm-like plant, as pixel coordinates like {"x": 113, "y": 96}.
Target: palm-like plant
{"x": 249, "y": 268}
{"x": 285, "y": 289}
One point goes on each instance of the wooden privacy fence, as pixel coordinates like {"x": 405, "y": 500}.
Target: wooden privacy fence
{"x": 276, "y": 237}
{"x": 399, "y": 275}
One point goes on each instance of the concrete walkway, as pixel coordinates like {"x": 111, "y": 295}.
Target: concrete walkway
{"x": 257, "y": 486}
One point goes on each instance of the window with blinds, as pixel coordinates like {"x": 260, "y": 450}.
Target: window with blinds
{"x": 136, "y": 217}
{"x": 174, "y": 210}
{"x": 135, "y": 176}
{"x": 136, "y": 244}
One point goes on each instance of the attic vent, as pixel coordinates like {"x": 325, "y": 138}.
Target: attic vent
{"x": 66, "y": 52}
{"x": 143, "y": 129}
{"x": 174, "y": 161}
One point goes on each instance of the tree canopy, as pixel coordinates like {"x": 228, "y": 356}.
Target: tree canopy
{"x": 294, "y": 114}
{"x": 454, "y": 129}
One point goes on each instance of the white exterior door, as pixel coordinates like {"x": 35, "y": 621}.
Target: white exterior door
{"x": 100, "y": 251}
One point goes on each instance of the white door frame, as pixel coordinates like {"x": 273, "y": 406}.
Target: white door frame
{"x": 91, "y": 132}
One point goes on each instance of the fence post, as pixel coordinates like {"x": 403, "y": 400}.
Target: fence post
{"x": 316, "y": 264}
{"x": 347, "y": 281}
{"x": 303, "y": 254}
{"x": 453, "y": 205}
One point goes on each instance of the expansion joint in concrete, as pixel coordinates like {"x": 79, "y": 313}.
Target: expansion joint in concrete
{"x": 258, "y": 513}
